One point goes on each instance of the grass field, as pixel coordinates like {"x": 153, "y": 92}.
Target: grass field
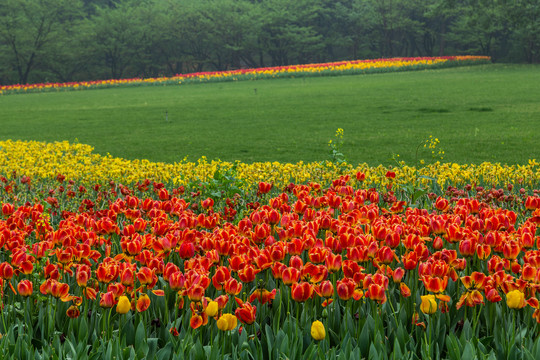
{"x": 480, "y": 113}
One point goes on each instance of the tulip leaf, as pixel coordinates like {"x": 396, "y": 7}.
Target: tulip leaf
{"x": 373, "y": 354}
{"x": 283, "y": 340}
{"x": 269, "y": 340}
{"x": 466, "y": 333}
{"x": 83, "y": 329}
{"x": 469, "y": 353}
{"x": 152, "y": 347}
{"x": 453, "y": 347}
{"x": 364, "y": 339}
{"x": 197, "y": 352}
{"x": 397, "y": 350}
{"x": 165, "y": 352}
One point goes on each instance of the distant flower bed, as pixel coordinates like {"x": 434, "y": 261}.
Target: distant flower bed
{"x": 322, "y": 69}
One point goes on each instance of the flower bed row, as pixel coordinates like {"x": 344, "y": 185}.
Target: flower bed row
{"x": 305, "y": 270}
{"x": 78, "y": 162}
{"x": 322, "y": 69}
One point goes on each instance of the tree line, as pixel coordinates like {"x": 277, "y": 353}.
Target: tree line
{"x": 75, "y": 40}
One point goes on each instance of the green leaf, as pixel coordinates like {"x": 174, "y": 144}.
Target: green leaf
{"x": 364, "y": 339}
{"x": 397, "y": 354}
{"x": 283, "y": 340}
{"x": 453, "y": 346}
{"x": 165, "y": 352}
{"x": 83, "y": 329}
{"x": 469, "y": 352}
{"x": 152, "y": 347}
{"x": 417, "y": 195}
{"x": 373, "y": 354}
{"x": 269, "y": 340}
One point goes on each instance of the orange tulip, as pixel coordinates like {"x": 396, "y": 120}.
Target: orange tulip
{"x": 195, "y": 293}
{"x": 404, "y": 290}
{"x": 325, "y": 289}
{"x": 25, "y": 288}
{"x": 143, "y": 303}
{"x": 300, "y": 292}
{"x": 377, "y": 293}
{"x": 221, "y": 276}
{"x": 264, "y": 296}
{"x": 73, "y": 312}
{"x": 233, "y": 287}
{"x": 290, "y": 276}
{"x": 246, "y": 312}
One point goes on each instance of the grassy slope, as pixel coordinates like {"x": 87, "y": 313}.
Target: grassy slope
{"x": 481, "y": 113}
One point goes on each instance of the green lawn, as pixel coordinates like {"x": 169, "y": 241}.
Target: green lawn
{"x": 479, "y": 113}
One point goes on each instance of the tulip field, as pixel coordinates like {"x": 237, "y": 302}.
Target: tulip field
{"x": 355, "y": 265}
{"x": 102, "y": 257}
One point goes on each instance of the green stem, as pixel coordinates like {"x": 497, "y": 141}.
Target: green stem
{"x": 513, "y": 329}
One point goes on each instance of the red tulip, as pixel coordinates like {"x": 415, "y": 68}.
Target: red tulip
{"x": 107, "y": 300}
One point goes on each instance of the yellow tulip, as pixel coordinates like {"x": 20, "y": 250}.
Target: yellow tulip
{"x": 211, "y": 309}
{"x": 515, "y": 299}
{"x": 227, "y": 322}
{"x": 124, "y": 305}
{"x": 317, "y": 330}
{"x": 428, "y": 305}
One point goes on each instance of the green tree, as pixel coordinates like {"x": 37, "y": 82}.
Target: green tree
{"x": 480, "y": 27}
{"x": 287, "y": 32}
{"x": 30, "y": 30}
{"x": 117, "y": 37}
{"x": 524, "y": 18}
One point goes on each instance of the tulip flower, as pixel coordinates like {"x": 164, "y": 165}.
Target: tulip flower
{"x": 246, "y": 312}
{"x": 317, "y": 330}
{"x": 515, "y": 299}
{"x": 211, "y": 309}
{"x": 428, "y": 305}
{"x": 107, "y": 300}
{"x": 264, "y": 296}
{"x": 404, "y": 290}
{"x": 124, "y": 305}
{"x": 233, "y": 287}
{"x": 73, "y": 312}
{"x": 25, "y": 288}
{"x": 143, "y": 303}
{"x": 227, "y": 322}
{"x": 300, "y": 292}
